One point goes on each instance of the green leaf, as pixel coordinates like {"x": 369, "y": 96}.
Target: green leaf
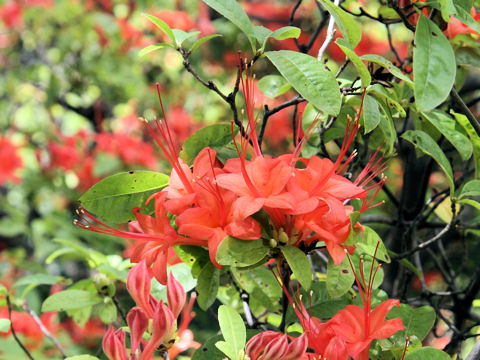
{"x": 207, "y": 285}
{"x": 367, "y": 241}
{"x": 232, "y": 10}
{"x": 356, "y": 61}
{"x": 107, "y": 311}
{"x": 416, "y": 321}
{"x": 4, "y": 325}
{"x": 427, "y": 353}
{"x": 474, "y": 138}
{"x": 463, "y": 14}
{"x": 39, "y": 279}
{"x": 339, "y": 278}
{"x": 286, "y": 32}
{"x": 387, "y": 64}
{"x": 154, "y": 47}
{"x": 371, "y": 116}
{"x": 310, "y": 78}
{"x": 470, "y": 202}
{"x": 446, "y": 125}
{"x": 202, "y": 40}
{"x": 69, "y": 300}
{"x": 471, "y": 188}
{"x": 350, "y": 29}
{"x": 114, "y": 197}
{"x": 82, "y": 357}
{"x": 215, "y": 136}
{"x": 433, "y": 65}
{"x": 233, "y": 331}
{"x": 298, "y": 262}
{"x": 161, "y": 25}
{"x": 261, "y": 284}
{"x": 273, "y": 85}
{"x": 181, "y": 36}
{"x": 425, "y": 143}
{"x": 240, "y": 253}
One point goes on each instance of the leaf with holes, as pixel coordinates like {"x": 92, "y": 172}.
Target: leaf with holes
{"x": 113, "y": 198}
{"x": 339, "y": 278}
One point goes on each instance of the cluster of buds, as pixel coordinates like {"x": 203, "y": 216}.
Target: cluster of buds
{"x": 150, "y": 316}
{"x": 271, "y": 345}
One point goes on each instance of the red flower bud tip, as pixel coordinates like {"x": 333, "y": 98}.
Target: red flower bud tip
{"x": 114, "y": 344}
{"x": 268, "y": 345}
{"x": 276, "y": 349}
{"x": 297, "y": 348}
{"x": 137, "y": 321}
{"x": 164, "y": 325}
{"x": 138, "y": 285}
{"x": 176, "y": 295}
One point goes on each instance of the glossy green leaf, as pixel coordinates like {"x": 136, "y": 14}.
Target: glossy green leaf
{"x": 298, "y": 262}
{"x": 434, "y": 65}
{"x": 350, "y": 29}
{"x": 425, "y": 143}
{"x": 273, "y": 85}
{"x": 161, "y": 25}
{"x": 202, "y": 40}
{"x": 113, "y": 198}
{"x": 474, "y": 138}
{"x": 368, "y": 241}
{"x": 240, "y": 253}
{"x": 427, "y": 353}
{"x": 154, "y": 47}
{"x": 4, "y": 325}
{"x": 446, "y": 125}
{"x": 207, "y": 286}
{"x": 371, "y": 116}
{"x": 471, "y": 188}
{"x": 215, "y": 136}
{"x": 387, "y": 64}
{"x": 416, "y": 321}
{"x": 232, "y": 10}
{"x": 233, "y": 331}
{"x": 339, "y": 278}
{"x": 356, "y": 61}
{"x": 310, "y": 78}
{"x": 181, "y": 36}
{"x": 70, "y": 300}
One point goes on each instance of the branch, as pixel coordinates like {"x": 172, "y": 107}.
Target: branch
{"x": 17, "y": 340}
{"x": 330, "y": 34}
{"x": 471, "y": 118}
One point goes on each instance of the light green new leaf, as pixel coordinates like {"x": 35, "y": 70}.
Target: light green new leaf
{"x": 387, "y": 64}
{"x": 154, "y": 47}
{"x": 4, "y": 325}
{"x": 70, "y": 300}
{"x": 233, "y": 331}
{"x": 434, "y": 65}
{"x": 350, "y": 29}
{"x": 298, "y": 262}
{"x": 425, "y": 143}
{"x": 470, "y": 202}
{"x": 475, "y": 139}
{"x": 232, "y": 10}
{"x": 339, "y": 278}
{"x": 113, "y": 198}
{"x": 162, "y": 25}
{"x": 202, "y": 40}
{"x": 471, "y": 188}
{"x": 356, "y": 61}
{"x": 446, "y": 125}
{"x": 310, "y": 78}
{"x": 286, "y": 32}
{"x": 427, "y": 353}
{"x": 367, "y": 241}
{"x": 181, "y": 36}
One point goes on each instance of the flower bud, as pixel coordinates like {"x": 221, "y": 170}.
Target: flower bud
{"x": 137, "y": 321}
{"x": 138, "y": 285}
{"x": 256, "y": 345}
{"x": 113, "y": 344}
{"x": 176, "y": 295}
{"x": 297, "y": 348}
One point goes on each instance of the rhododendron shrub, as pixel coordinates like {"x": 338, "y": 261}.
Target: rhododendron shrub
{"x": 247, "y": 180}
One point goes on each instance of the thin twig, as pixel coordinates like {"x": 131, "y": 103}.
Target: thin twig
{"x": 119, "y": 309}
{"x": 466, "y": 111}
{"x": 17, "y": 340}
{"x": 330, "y": 34}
